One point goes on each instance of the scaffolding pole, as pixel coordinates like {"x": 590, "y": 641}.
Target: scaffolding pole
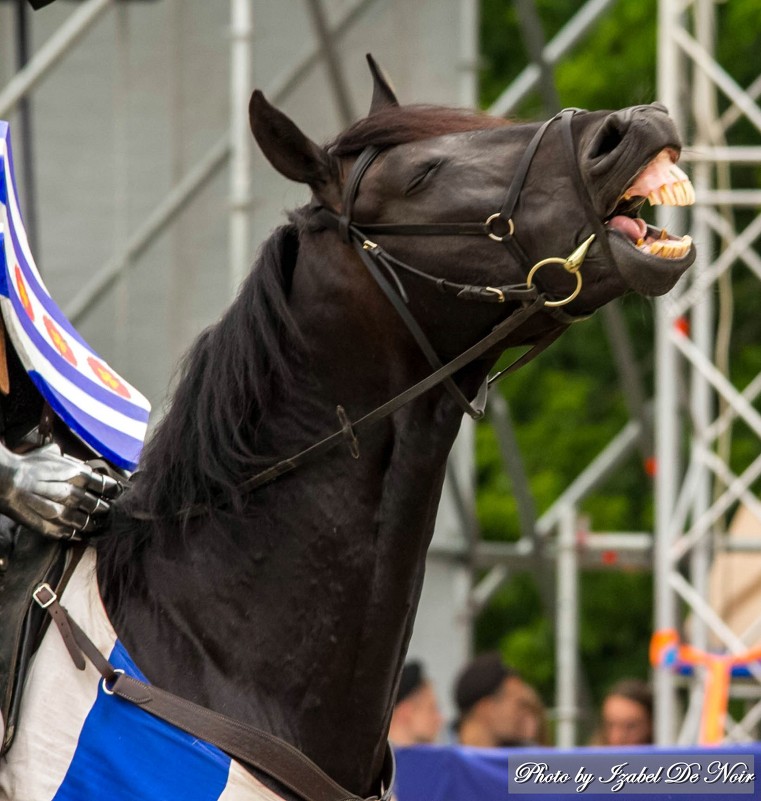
{"x": 51, "y": 53}
{"x": 241, "y": 79}
{"x": 697, "y": 486}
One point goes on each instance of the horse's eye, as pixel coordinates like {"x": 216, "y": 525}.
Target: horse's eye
{"x": 418, "y": 182}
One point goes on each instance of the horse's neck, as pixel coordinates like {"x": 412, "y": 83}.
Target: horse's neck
{"x": 298, "y": 620}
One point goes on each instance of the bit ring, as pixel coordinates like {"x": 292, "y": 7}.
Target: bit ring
{"x": 555, "y": 260}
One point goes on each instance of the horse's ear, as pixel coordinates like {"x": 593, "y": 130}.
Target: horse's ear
{"x": 290, "y": 152}
{"x": 383, "y": 93}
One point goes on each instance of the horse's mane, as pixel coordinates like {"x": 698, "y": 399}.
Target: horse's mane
{"x": 397, "y": 125}
{"x": 203, "y": 448}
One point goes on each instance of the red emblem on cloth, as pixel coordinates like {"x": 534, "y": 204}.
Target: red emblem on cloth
{"x": 107, "y": 377}
{"x": 61, "y": 345}
{"x": 23, "y": 294}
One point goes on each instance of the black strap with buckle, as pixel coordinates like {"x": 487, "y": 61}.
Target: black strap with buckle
{"x": 251, "y": 746}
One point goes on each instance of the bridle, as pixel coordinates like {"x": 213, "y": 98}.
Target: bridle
{"x": 383, "y": 267}
{"x": 498, "y": 227}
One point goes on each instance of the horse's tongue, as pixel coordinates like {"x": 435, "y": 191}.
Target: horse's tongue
{"x": 635, "y": 229}
{"x": 661, "y": 171}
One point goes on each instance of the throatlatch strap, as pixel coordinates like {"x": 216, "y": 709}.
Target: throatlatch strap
{"x": 253, "y": 747}
{"x": 414, "y": 328}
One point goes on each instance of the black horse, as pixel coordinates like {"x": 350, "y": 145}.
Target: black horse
{"x": 289, "y": 604}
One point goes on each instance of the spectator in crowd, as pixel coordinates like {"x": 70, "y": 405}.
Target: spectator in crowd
{"x": 416, "y": 717}
{"x": 496, "y": 707}
{"x": 627, "y": 714}
{"x": 533, "y": 726}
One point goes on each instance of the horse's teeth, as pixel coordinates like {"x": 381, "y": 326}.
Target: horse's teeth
{"x": 664, "y": 234}
{"x": 680, "y": 193}
{"x": 671, "y": 248}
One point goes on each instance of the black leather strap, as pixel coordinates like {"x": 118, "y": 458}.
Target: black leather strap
{"x": 368, "y": 257}
{"x": 498, "y": 333}
{"x": 358, "y": 170}
{"x": 521, "y": 172}
{"x": 360, "y": 235}
{"x": 599, "y": 229}
{"x": 428, "y": 229}
{"x": 253, "y": 747}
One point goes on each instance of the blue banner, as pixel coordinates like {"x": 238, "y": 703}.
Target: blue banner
{"x": 457, "y": 773}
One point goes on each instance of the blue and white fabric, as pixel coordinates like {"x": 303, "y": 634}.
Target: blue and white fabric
{"x": 77, "y": 743}
{"x": 107, "y": 412}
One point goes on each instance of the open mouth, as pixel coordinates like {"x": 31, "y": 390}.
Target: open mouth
{"x": 661, "y": 182}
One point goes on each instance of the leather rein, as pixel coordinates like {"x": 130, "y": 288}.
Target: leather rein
{"x": 383, "y": 267}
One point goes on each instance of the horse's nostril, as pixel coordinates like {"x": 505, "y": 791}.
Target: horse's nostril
{"x": 609, "y": 137}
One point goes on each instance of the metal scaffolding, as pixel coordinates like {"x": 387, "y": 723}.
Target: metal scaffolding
{"x": 700, "y": 407}
{"x": 695, "y": 487}
{"x": 555, "y": 546}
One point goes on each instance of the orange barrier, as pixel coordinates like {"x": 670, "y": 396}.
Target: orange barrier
{"x": 667, "y": 651}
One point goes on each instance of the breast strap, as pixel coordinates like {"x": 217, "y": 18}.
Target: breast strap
{"x": 255, "y": 748}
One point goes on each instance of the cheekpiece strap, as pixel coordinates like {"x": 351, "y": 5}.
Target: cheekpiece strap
{"x": 364, "y": 160}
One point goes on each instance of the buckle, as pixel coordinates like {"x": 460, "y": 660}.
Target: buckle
{"x": 44, "y": 587}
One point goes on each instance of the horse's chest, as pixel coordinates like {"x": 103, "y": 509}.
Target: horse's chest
{"x": 76, "y": 742}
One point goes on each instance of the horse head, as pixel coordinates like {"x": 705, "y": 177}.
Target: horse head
{"x": 476, "y": 200}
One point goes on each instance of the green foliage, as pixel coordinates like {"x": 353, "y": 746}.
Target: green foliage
{"x": 613, "y": 67}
